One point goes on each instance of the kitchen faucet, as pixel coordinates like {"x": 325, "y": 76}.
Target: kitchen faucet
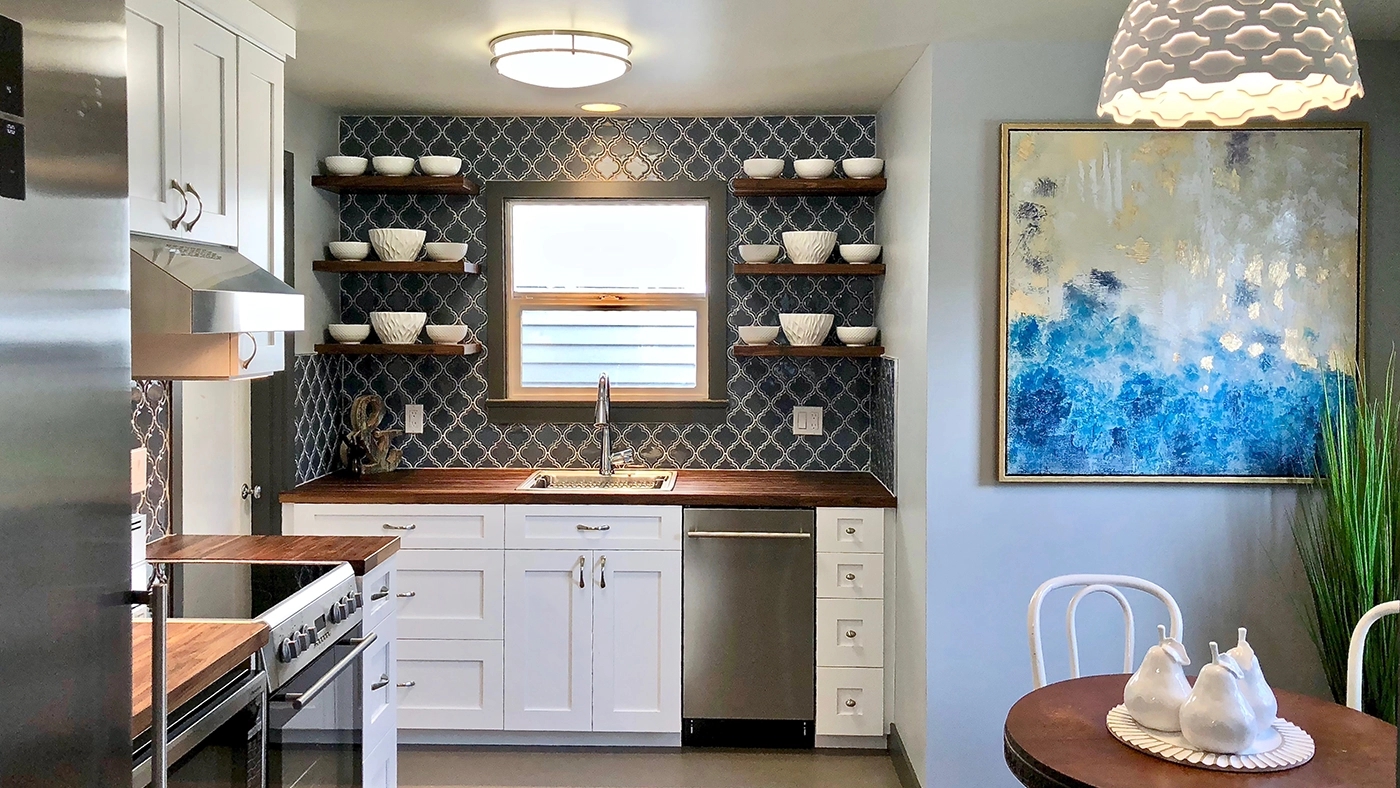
{"x": 608, "y": 461}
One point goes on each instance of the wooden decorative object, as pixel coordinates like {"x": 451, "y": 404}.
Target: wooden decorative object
{"x": 365, "y": 449}
{"x": 1290, "y": 748}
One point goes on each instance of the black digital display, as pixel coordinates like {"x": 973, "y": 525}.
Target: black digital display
{"x": 11, "y": 160}
{"x": 11, "y": 67}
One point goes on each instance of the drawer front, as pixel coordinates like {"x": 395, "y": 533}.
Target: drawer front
{"x": 850, "y": 702}
{"x": 593, "y": 527}
{"x": 377, "y": 588}
{"x": 418, "y": 526}
{"x": 850, "y": 575}
{"x": 850, "y": 633}
{"x": 378, "y": 675}
{"x": 451, "y": 685}
{"x": 381, "y": 763}
{"x": 450, "y": 594}
{"x": 851, "y": 530}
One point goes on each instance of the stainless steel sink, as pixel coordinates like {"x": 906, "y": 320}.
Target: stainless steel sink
{"x": 581, "y": 481}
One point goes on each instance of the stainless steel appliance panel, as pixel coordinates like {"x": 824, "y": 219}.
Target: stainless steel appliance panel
{"x": 749, "y": 614}
{"x": 65, "y": 381}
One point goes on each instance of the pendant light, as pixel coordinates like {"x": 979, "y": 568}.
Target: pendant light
{"x": 560, "y": 58}
{"x": 1224, "y": 62}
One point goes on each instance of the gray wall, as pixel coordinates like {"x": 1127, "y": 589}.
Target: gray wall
{"x": 312, "y": 133}
{"x": 1224, "y": 551}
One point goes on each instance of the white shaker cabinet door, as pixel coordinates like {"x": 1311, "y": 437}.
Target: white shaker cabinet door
{"x": 449, "y": 594}
{"x": 153, "y": 115}
{"x": 208, "y": 128}
{"x": 261, "y": 213}
{"x": 637, "y": 641}
{"x": 548, "y": 640}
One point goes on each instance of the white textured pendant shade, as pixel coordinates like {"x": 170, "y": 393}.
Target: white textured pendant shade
{"x": 1175, "y": 62}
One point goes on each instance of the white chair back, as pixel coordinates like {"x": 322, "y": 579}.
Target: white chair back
{"x": 1358, "y": 648}
{"x": 1093, "y": 584}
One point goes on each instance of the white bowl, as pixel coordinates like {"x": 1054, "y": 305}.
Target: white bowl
{"x": 758, "y": 335}
{"x": 862, "y": 168}
{"x": 445, "y": 251}
{"x": 759, "y": 253}
{"x": 440, "y": 166}
{"x": 814, "y": 168}
{"x": 349, "y": 333}
{"x": 349, "y": 250}
{"x": 397, "y": 245}
{"x": 346, "y": 165}
{"x": 855, "y": 336}
{"x": 398, "y": 328}
{"x": 447, "y": 335}
{"x": 393, "y": 165}
{"x": 809, "y": 246}
{"x": 860, "y": 253}
{"x": 763, "y": 168}
{"x": 805, "y": 329}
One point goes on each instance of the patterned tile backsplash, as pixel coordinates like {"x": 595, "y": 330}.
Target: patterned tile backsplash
{"x": 756, "y": 432}
{"x": 150, "y": 427}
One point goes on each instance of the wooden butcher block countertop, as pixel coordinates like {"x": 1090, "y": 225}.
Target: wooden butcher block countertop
{"x": 363, "y": 553}
{"x": 199, "y": 652}
{"x": 800, "y": 489}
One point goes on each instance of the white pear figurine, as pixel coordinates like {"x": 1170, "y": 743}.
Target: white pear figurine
{"x": 1256, "y": 690}
{"x": 1155, "y": 693}
{"x": 1216, "y": 717}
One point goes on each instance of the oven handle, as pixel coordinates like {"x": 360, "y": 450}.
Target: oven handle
{"x": 300, "y": 699}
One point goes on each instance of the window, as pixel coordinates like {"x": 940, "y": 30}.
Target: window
{"x": 623, "y": 279}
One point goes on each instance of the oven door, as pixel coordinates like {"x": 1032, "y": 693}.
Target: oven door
{"x": 216, "y": 740}
{"x": 324, "y": 722}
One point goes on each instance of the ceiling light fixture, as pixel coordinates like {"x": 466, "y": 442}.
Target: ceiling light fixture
{"x": 602, "y": 106}
{"x": 1175, "y": 62}
{"x": 560, "y": 58}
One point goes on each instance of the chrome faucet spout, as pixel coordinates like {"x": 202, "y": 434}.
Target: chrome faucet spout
{"x": 604, "y": 426}
{"x": 600, "y": 413}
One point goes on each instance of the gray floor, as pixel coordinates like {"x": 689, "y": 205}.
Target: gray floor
{"x": 440, "y": 767}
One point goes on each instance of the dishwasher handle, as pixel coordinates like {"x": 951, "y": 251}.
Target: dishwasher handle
{"x": 747, "y": 535}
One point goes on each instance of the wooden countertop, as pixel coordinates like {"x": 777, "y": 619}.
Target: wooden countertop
{"x": 363, "y": 553}
{"x": 693, "y": 488}
{"x": 199, "y": 653}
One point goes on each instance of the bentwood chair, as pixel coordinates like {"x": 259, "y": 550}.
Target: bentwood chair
{"x": 1093, "y": 584}
{"x": 1358, "y": 648}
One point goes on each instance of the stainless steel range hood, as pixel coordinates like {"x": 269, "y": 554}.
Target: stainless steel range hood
{"x": 186, "y": 288}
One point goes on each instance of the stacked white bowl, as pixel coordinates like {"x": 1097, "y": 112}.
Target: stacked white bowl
{"x": 809, "y": 246}
{"x": 399, "y": 245}
{"x": 806, "y": 329}
{"x": 398, "y": 328}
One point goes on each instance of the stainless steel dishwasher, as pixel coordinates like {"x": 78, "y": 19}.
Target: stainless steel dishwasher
{"x": 749, "y": 660}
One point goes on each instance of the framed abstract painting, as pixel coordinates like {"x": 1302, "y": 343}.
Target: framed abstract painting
{"x": 1176, "y": 303}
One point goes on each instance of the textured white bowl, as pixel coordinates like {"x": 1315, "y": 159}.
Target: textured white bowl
{"x": 805, "y": 329}
{"x": 349, "y": 250}
{"x": 758, "y": 335}
{"x": 349, "y": 333}
{"x": 862, "y": 168}
{"x": 447, "y": 335}
{"x": 439, "y": 166}
{"x": 346, "y": 165}
{"x": 397, "y": 245}
{"x": 809, "y": 246}
{"x": 763, "y": 168}
{"x": 814, "y": 168}
{"x": 393, "y": 165}
{"x": 759, "y": 253}
{"x": 860, "y": 253}
{"x": 398, "y": 328}
{"x": 855, "y": 336}
{"x": 445, "y": 251}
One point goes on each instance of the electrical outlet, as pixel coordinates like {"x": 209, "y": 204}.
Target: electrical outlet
{"x": 806, "y": 420}
{"x": 413, "y": 419}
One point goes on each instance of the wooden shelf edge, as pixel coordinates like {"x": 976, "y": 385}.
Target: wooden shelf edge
{"x": 458, "y": 185}
{"x": 381, "y": 267}
{"x": 421, "y": 349}
{"x": 819, "y": 351}
{"x": 804, "y": 269}
{"x": 816, "y": 187}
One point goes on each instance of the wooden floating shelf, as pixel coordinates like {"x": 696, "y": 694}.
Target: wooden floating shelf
{"x": 381, "y": 267}
{"x": 396, "y": 184}
{"x": 804, "y": 187}
{"x": 802, "y": 269}
{"x": 342, "y": 349}
{"x": 818, "y": 351}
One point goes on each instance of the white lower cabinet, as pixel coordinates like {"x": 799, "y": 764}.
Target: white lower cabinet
{"x": 549, "y": 641}
{"x": 850, "y": 701}
{"x": 850, "y": 627}
{"x": 381, "y": 764}
{"x": 450, "y": 594}
{"x": 637, "y": 641}
{"x": 451, "y": 685}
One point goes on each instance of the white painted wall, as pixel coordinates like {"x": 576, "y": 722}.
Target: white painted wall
{"x": 312, "y": 133}
{"x": 904, "y": 127}
{"x": 215, "y": 435}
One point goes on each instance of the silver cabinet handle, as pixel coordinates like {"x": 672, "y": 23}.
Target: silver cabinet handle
{"x": 184, "y": 204}
{"x": 244, "y": 363}
{"x": 583, "y": 527}
{"x": 850, "y": 530}
{"x": 581, "y": 563}
{"x": 602, "y": 572}
{"x": 409, "y": 527}
{"x": 850, "y": 576}
{"x": 381, "y": 684}
{"x": 747, "y": 535}
{"x": 191, "y": 223}
{"x": 851, "y": 704}
{"x": 850, "y": 633}
{"x": 407, "y": 684}
{"x": 380, "y": 594}
{"x": 407, "y": 595}
{"x": 254, "y": 492}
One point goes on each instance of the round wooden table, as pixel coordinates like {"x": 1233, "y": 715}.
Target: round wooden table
{"x": 1056, "y": 738}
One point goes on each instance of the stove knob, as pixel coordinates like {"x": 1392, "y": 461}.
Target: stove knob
{"x": 343, "y": 610}
{"x": 337, "y": 613}
{"x": 358, "y": 599}
{"x": 303, "y": 639}
{"x": 288, "y": 650}
{"x": 350, "y": 604}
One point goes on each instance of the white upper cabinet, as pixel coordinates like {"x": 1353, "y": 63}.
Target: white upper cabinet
{"x": 261, "y": 202}
{"x": 209, "y": 128}
{"x": 153, "y": 115}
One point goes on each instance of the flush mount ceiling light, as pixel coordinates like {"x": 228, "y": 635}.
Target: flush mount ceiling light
{"x": 560, "y": 58}
{"x": 1175, "y": 62}
{"x": 602, "y": 106}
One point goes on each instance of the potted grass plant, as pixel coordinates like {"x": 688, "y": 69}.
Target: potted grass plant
{"x": 1345, "y": 530}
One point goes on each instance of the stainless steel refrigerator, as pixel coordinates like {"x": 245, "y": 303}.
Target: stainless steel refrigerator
{"x": 65, "y": 395}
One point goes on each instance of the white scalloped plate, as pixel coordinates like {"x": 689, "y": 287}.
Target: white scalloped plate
{"x": 1290, "y": 748}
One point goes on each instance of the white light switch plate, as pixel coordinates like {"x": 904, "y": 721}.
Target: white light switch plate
{"x": 138, "y": 470}
{"x": 413, "y": 419}
{"x": 806, "y": 420}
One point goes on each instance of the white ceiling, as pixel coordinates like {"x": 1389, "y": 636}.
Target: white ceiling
{"x": 690, "y": 57}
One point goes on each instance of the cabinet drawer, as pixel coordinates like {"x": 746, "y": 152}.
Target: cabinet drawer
{"x": 451, "y": 685}
{"x": 377, "y": 589}
{"x": 850, "y": 633}
{"x": 850, "y": 702}
{"x": 851, "y": 530}
{"x": 381, "y": 763}
{"x": 377, "y": 678}
{"x": 450, "y": 594}
{"x": 417, "y": 525}
{"x": 850, "y": 575}
{"x": 593, "y": 527}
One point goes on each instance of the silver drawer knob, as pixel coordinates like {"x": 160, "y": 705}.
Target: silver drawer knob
{"x": 407, "y": 684}
{"x": 851, "y": 703}
{"x": 850, "y": 576}
{"x": 850, "y": 530}
{"x": 407, "y": 595}
{"x": 850, "y": 633}
{"x": 409, "y": 527}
